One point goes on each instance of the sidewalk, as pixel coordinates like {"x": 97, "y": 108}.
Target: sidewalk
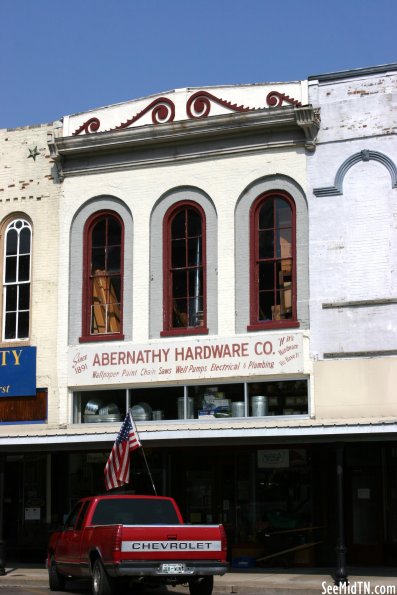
{"x": 254, "y": 581}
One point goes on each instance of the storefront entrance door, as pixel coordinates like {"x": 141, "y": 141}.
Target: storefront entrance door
{"x": 364, "y": 518}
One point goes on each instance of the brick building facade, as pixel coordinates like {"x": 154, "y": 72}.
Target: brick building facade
{"x": 202, "y": 279}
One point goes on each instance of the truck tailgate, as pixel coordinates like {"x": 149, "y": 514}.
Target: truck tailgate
{"x": 168, "y": 542}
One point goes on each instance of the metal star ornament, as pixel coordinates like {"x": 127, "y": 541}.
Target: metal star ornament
{"x": 33, "y": 153}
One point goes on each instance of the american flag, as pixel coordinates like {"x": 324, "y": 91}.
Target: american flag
{"x": 117, "y": 469}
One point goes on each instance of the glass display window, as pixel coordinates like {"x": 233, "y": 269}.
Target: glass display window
{"x": 194, "y": 402}
{"x": 100, "y": 406}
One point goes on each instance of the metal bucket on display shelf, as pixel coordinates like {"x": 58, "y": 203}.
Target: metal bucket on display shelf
{"x": 96, "y": 412}
{"x": 238, "y": 409}
{"x": 189, "y": 408}
{"x": 141, "y": 412}
{"x": 259, "y": 406}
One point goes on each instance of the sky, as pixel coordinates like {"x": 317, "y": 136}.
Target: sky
{"x": 64, "y": 57}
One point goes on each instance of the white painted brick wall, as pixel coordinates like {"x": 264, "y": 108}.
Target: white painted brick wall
{"x": 353, "y": 246}
{"x": 223, "y": 180}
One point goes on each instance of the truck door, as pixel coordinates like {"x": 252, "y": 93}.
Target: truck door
{"x": 68, "y": 548}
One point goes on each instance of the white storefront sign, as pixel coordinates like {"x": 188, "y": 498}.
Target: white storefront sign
{"x": 193, "y": 359}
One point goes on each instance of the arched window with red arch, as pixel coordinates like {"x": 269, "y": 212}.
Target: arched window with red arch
{"x": 273, "y": 261}
{"x": 184, "y": 270}
{"x": 103, "y": 277}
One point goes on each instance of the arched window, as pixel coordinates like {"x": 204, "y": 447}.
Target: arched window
{"x": 16, "y": 281}
{"x": 103, "y": 277}
{"x": 273, "y": 261}
{"x": 184, "y": 270}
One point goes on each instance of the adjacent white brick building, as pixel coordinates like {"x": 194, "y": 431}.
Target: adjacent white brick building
{"x": 353, "y": 244}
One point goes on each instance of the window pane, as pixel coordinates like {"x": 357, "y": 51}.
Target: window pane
{"x": 266, "y": 276}
{"x": 99, "y": 289}
{"x": 12, "y": 242}
{"x": 23, "y": 325}
{"x": 194, "y": 252}
{"x": 284, "y": 277}
{"x": 266, "y": 305}
{"x": 178, "y": 228}
{"x": 266, "y": 215}
{"x": 283, "y": 213}
{"x": 195, "y": 282}
{"x": 115, "y": 290}
{"x": 11, "y": 269}
{"x": 284, "y": 243}
{"x": 266, "y": 244}
{"x": 178, "y": 254}
{"x": 24, "y": 296}
{"x": 98, "y": 321}
{"x": 11, "y": 297}
{"x": 193, "y": 223}
{"x": 114, "y": 258}
{"x": 99, "y": 233}
{"x": 98, "y": 260}
{"x": 10, "y": 326}
{"x": 24, "y": 268}
{"x": 179, "y": 284}
{"x": 114, "y": 232}
{"x": 179, "y": 318}
{"x": 196, "y": 311}
{"x": 114, "y": 318}
{"x": 24, "y": 241}
{"x": 284, "y": 270}
{"x": 285, "y": 298}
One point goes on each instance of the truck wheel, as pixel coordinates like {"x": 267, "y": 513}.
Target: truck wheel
{"x": 203, "y": 586}
{"x": 101, "y": 583}
{"x": 56, "y": 581}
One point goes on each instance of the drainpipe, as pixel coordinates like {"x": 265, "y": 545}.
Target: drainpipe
{"x": 341, "y": 577}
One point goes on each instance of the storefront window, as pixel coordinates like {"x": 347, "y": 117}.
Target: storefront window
{"x": 205, "y": 401}
{"x": 100, "y": 406}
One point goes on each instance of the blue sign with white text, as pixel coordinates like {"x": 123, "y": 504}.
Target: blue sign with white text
{"x": 18, "y": 372}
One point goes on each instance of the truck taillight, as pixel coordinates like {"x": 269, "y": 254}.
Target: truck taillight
{"x": 116, "y": 543}
{"x": 223, "y": 538}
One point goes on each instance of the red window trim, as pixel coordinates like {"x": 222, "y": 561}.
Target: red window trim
{"x": 255, "y": 324}
{"x": 86, "y": 337}
{"x": 168, "y": 330}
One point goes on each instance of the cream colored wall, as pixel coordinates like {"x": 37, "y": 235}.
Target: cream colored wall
{"x": 356, "y": 388}
{"x": 28, "y": 189}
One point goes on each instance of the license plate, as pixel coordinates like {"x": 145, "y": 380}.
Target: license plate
{"x": 172, "y": 568}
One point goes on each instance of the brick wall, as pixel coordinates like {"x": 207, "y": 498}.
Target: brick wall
{"x": 28, "y": 189}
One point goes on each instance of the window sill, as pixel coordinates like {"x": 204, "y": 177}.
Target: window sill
{"x": 273, "y": 325}
{"x": 185, "y": 332}
{"x": 101, "y": 338}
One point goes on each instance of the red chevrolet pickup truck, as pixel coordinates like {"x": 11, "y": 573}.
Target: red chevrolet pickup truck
{"x": 116, "y": 539}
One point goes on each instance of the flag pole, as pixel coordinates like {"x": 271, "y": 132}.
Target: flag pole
{"x": 150, "y": 475}
{"x": 143, "y": 453}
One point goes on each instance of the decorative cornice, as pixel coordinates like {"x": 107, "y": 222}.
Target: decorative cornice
{"x": 197, "y": 106}
{"x": 276, "y": 99}
{"x": 91, "y": 125}
{"x": 194, "y": 138}
{"x": 163, "y": 110}
{"x": 365, "y": 155}
{"x": 309, "y": 120}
